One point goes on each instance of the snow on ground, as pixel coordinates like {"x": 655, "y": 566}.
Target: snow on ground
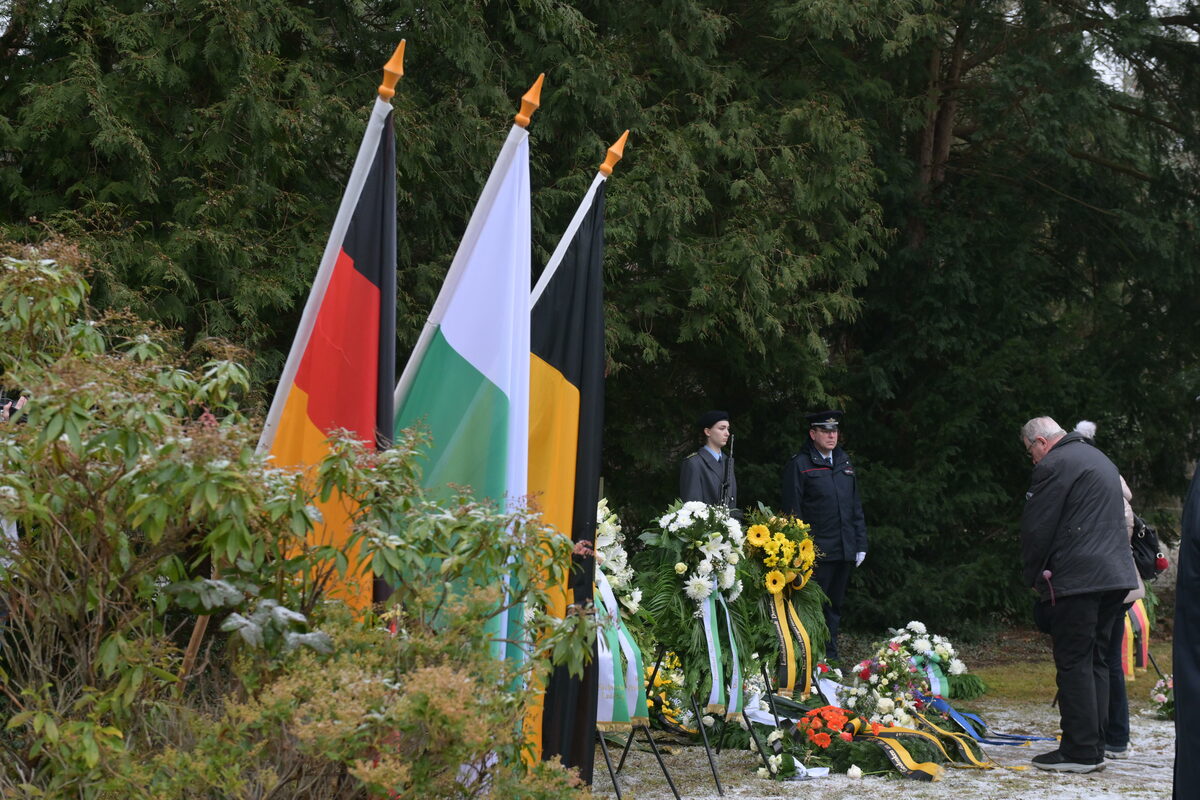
{"x": 1145, "y": 775}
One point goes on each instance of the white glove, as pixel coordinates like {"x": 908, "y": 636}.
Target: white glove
{"x": 858, "y": 558}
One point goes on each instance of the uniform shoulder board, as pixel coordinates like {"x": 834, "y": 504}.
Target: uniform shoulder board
{"x": 693, "y": 455}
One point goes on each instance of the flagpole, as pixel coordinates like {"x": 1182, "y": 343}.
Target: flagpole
{"x": 529, "y": 103}
{"x": 393, "y": 70}
{"x": 610, "y": 160}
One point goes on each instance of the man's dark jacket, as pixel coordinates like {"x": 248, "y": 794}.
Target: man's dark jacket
{"x": 701, "y": 477}
{"x": 1187, "y": 648}
{"x": 827, "y": 499}
{"x": 1074, "y": 523}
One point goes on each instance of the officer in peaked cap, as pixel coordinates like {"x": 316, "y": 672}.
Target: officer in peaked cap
{"x": 820, "y": 487}
{"x": 707, "y": 475}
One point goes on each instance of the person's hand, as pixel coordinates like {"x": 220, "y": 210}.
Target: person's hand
{"x": 858, "y": 558}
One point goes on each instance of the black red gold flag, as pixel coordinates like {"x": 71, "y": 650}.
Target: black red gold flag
{"x": 341, "y": 370}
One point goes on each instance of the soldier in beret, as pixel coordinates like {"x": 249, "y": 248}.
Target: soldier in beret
{"x": 707, "y": 475}
{"x": 821, "y": 488}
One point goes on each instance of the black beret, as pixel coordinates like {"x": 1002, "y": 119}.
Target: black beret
{"x": 710, "y": 418}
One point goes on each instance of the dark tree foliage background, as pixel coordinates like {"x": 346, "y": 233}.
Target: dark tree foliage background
{"x": 937, "y": 215}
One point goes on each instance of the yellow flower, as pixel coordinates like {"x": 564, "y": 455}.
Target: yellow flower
{"x": 787, "y": 550}
{"x": 807, "y": 551}
{"x": 757, "y": 535}
{"x": 775, "y": 581}
{"x": 770, "y": 561}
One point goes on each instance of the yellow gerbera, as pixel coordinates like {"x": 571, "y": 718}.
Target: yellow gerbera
{"x": 807, "y": 551}
{"x": 758, "y": 535}
{"x": 787, "y": 550}
{"x": 775, "y": 581}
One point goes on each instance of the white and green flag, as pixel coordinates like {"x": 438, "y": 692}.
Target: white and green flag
{"x": 467, "y": 380}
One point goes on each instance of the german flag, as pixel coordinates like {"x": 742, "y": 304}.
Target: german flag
{"x": 566, "y": 421}
{"x": 341, "y": 369}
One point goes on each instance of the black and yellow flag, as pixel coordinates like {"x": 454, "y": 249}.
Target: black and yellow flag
{"x": 566, "y": 419}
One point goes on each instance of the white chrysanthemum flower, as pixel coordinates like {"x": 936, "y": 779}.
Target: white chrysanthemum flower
{"x": 957, "y": 667}
{"x": 665, "y": 520}
{"x": 922, "y": 646}
{"x": 698, "y": 588}
{"x": 728, "y": 576}
{"x": 916, "y": 627}
{"x": 775, "y": 736}
{"x": 693, "y": 507}
{"x": 849, "y": 702}
{"x": 733, "y": 558}
{"x": 735, "y": 530}
{"x": 704, "y": 568}
{"x": 737, "y": 591}
{"x": 874, "y": 678}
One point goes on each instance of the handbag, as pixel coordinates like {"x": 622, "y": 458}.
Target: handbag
{"x": 1147, "y": 553}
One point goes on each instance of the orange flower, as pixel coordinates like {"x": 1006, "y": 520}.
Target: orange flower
{"x": 876, "y": 728}
{"x": 816, "y": 723}
{"x": 822, "y": 740}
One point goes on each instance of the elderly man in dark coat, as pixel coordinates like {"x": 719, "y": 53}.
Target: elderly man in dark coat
{"x": 820, "y": 487}
{"x": 1075, "y": 554}
{"x": 707, "y": 475}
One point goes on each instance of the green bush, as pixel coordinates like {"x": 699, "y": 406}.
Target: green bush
{"x": 133, "y": 475}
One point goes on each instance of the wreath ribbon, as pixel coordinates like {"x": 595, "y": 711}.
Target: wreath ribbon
{"x": 795, "y": 650}
{"x": 621, "y": 699}
{"x": 721, "y": 699}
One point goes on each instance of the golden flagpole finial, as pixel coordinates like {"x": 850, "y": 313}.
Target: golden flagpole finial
{"x": 393, "y": 70}
{"x": 530, "y": 102}
{"x": 614, "y": 154}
